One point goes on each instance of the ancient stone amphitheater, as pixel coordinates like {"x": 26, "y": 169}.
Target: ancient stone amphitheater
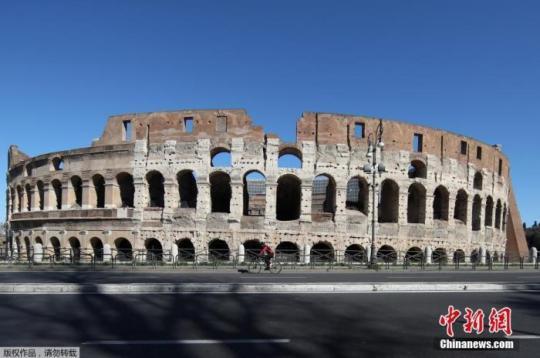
{"x": 208, "y": 184}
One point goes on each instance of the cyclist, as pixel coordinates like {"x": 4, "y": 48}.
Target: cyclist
{"x": 267, "y": 254}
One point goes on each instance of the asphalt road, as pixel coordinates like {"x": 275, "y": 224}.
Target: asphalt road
{"x": 284, "y": 277}
{"x": 259, "y": 325}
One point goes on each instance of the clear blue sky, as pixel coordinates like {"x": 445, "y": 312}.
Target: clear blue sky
{"x": 472, "y": 67}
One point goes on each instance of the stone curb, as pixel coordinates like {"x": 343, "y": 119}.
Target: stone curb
{"x": 231, "y": 288}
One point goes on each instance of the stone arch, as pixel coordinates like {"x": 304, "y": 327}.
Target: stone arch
{"x": 99, "y": 189}
{"x": 75, "y": 246}
{"x": 186, "y": 250}
{"x": 220, "y": 157}
{"x": 460, "y": 210}
{"x": 322, "y": 251}
{"x": 97, "y": 248}
{"x": 187, "y": 189}
{"x": 441, "y": 199}
{"x": 127, "y": 189}
{"x": 28, "y": 190}
{"x": 41, "y": 194}
{"x": 154, "y": 250}
{"x": 439, "y": 256}
{"x": 417, "y": 169}
{"x": 387, "y": 253}
{"x": 57, "y": 188}
{"x": 57, "y": 248}
{"x": 220, "y": 192}
{"x": 416, "y": 204}
{"x": 498, "y": 211}
{"x": 504, "y": 218}
{"x": 488, "y": 220}
{"x": 57, "y": 164}
{"x": 355, "y": 253}
{"x": 76, "y": 190}
{"x": 254, "y": 193}
{"x": 38, "y": 240}
{"x": 252, "y": 248}
{"x": 475, "y": 256}
{"x": 156, "y": 189}
{"x": 13, "y": 196}
{"x": 357, "y": 195}
{"x": 476, "y": 213}
{"x": 290, "y": 157}
{"x": 124, "y": 249}
{"x": 218, "y": 250}
{"x": 459, "y": 256}
{"x": 28, "y": 247}
{"x": 288, "y": 198}
{"x": 20, "y": 196}
{"x": 18, "y": 247}
{"x": 323, "y": 198}
{"x": 477, "y": 181}
{"x": 287, "y": 251}
{"x": 389, "y": 202}
{"x": 414, "y": 254}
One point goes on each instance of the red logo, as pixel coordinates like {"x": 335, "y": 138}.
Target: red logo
{"x": 498, "y": 320}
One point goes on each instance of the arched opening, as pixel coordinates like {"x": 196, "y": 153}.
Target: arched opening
{"x": 76, "y": 187}
{"x": 323, "y": 198}
{"x": 57, "y": 251}
{"x": 439, "y": 256}
{"x": 477, "y": 181}
{"x": 58, "y": 164}
{"x": 13, "y": 196}
{"x": 504, "y": 218}
{"x": 287, "y": 251}
{"x": 417, "y": 169}
{"x": 99, "y": 187}
{"x": 28, "y": 248}
{"x": 488, "y": 221}
{"x": 156, "y": 189}
{"x": 57, "y": 187}
{"x": 290, "y": 158}
{"x": 498, "y": 211}
{"x": 28, "y": 190}
{"x": 252, "y": 248}
{"x": 389, "y": 202}
{"x": 186, "y": 250}
{"x": 459, "y": 256}
{"x": 354, "y": 253}
{"x": 288, "y": 198}
{"x": 154, "y": 250}
{"x": 221, "y": 157}
{"x": 414, "y": 254}
{"x": 97, "y": 248}
{"x": 416, "y": 204}
{"x": 476, "y": 213}
{"x": 20, "y": 198}
{"x": 254, "y": 194}
{"x": 75, "y": 246}
{"x": 41, "y": 194}
{"x": 187, "y": 187}
{"x": 38, "y": 240}
{"x": 322, "y": 252}
{"x": 18, "y": 247}
{"x": 220, "y": 192}
{"x": 460, "y": 210}
{"x": 440, "y": 203}
{"x": 218, "y": 250}
{"x": 475, "y": 257}
{"x": 127, "y": 189}
{"x": 387, "y": 254}
{"x": 357, "y": 195}
{"x": 124, "y": 250}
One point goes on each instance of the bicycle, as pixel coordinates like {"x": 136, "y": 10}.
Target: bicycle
{"x": 258, "y": 264}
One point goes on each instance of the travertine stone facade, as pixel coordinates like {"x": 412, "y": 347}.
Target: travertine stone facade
{"x": 84, "y": 197}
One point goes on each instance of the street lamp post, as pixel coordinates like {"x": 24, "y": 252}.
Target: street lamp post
{"x": 373, "y": 167}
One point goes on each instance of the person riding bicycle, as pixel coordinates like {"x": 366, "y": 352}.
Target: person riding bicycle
{"x": 267, "y": 254}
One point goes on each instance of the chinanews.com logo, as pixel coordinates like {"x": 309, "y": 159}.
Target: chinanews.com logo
{"x": 498, "y": 321}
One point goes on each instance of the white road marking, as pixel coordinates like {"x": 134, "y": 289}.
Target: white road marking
{"x": 525, "y": 336}
{"x": 189, "y": 341}
{"x": 275, "y": 277}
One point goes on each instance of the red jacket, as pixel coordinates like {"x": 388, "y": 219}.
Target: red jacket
{"x": 266, "y": 250}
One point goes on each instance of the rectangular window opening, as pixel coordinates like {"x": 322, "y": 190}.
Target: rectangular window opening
{"x": 417, "y": 142}
{"x": 478, "y": 152}
{"x": 359, "y": 130}
{"x": 126, "y": 135}
{"x": 188, "y": 124}
{"x": 500, "y": 167}
{"x": 463, "y": 147}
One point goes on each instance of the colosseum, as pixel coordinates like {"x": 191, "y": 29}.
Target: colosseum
{"x": 197, "y": 184}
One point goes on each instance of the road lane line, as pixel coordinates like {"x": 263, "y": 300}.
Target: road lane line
{"x": 189, "y": 341}
{"x": 524, "y": 336}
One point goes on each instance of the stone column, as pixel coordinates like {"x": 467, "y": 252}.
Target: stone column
{"x": 88, "y": 194}
{"x": 107, "y": 253}
{"x": 482, "y": 253}
{"x": 429, "y": 209}
{"x": 470, "y": 199}
{"x": 38, "y": 253}
{"x": 68, "y": 196}
{"x": 429, "y": 251}
{"x": 110, "y": 187}
{"x": 34, "y": 199}
{"x": 237, "y": 200}
{"x": 341, "y": 198}
{"x": 241, "y": 253}
{"x": 203, "y": 197}
{"x": 270, "y": 207}
{"x": 171, "y": 199}
{"x": 49, "y": 198}
{"x": 24, "y": 201}
{"x": 307, "y": 250}
{"x": 305, "y": 204}
{"x": 140, "y": 197}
